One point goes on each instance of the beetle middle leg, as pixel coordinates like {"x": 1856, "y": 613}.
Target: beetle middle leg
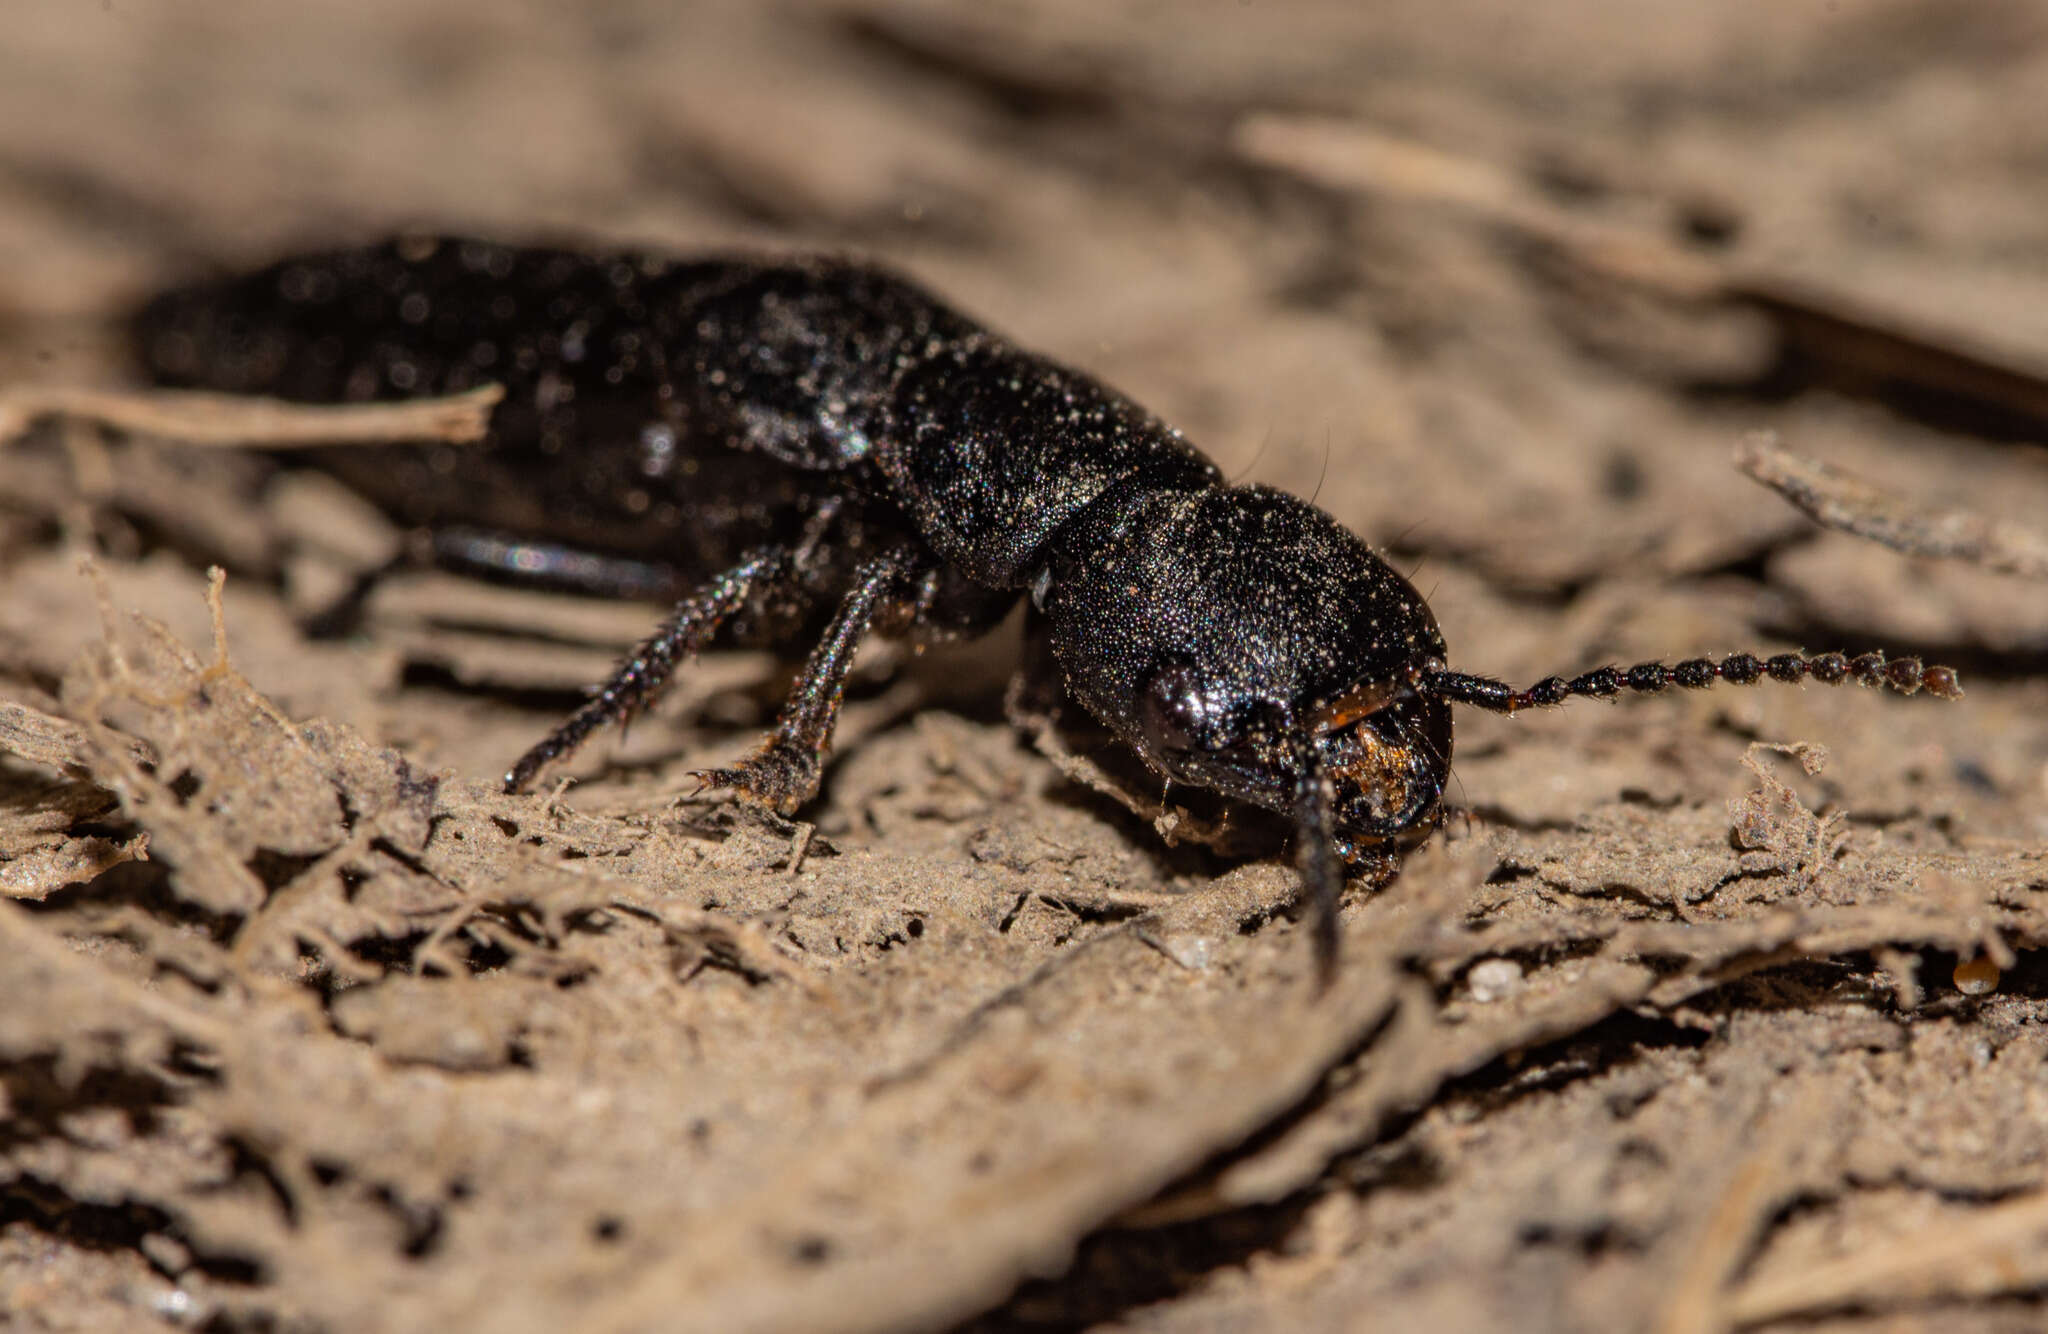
{"x": 636, "y": 681}
{"x": 784, "y": 774}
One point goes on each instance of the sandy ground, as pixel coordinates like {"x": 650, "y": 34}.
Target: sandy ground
{"x": 1706, "y": 1012}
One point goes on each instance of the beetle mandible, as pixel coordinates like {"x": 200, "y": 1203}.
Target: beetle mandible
{"x": 815, "y": 434}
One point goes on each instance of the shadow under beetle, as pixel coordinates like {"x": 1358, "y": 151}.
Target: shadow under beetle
{"x": 786, "y": 436}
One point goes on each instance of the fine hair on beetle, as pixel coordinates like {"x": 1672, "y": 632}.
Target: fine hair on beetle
{"x": 787, "y": 441}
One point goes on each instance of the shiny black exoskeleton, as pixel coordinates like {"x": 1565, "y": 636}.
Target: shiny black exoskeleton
{"x": 796, "y": 433}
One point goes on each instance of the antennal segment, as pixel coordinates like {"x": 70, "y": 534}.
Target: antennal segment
{"x": 1905, "y": 675}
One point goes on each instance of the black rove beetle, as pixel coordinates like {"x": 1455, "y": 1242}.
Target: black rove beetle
{"x": 792, "y": 440}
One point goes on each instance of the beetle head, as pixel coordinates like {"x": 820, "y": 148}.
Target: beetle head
{"x": 1243, "y": 641}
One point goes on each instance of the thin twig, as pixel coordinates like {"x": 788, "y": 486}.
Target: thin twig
{"x": 1726, "y": 1235}
{"x": 1993, "y": 1251}
{"x": 196, "y": 418}
{"x": 1840, "y": 500}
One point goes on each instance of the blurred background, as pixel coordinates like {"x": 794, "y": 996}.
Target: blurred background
{"x": 1504, "y": 278}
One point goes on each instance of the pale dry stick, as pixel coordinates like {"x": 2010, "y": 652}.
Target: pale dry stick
{"x": 2001, "y": 1250}
{"x": 1843, "y": 501}
{"x": 1351, "y": 155}
{"x": 1749, "y": 1197}
{"x": 1872, "y": 333}
{"x": 232, "y": 420}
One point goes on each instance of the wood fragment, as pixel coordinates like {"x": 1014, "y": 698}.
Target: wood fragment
{"x": 2000, "y": 1250}
{"x": 1351, "y": 155}
{"x": 1728, "y": 1232}
{"x": 1869, "y": 338}
{"x": 1843, "y": 501}
{"x": 232, "y": 420}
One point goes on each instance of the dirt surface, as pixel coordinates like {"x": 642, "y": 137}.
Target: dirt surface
{"x": 1710, "y": 1011}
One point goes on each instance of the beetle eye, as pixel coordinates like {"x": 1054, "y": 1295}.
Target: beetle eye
{"x": 1173, "y": 711}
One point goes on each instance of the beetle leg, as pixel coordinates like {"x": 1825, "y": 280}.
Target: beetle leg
{"x": 551, "y": 565}
{"x": 479, "y": 552}
{"x": 784, "y": 773}
{"x": 638, "y": 679}
{"x": 1315, "y": 855}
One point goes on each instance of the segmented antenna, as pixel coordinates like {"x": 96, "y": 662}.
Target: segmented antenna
{"x": 1905, "y": 675}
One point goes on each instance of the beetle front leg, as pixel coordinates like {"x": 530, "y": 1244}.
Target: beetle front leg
{"x": 784, "y": 774}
